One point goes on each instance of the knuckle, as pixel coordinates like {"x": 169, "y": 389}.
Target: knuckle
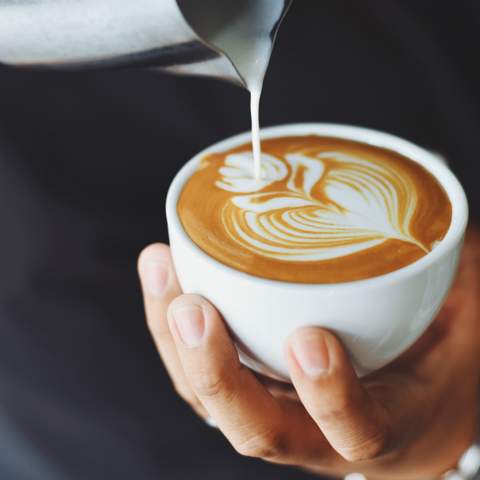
{"x": 343, "y": 408}
{"x": 208, "y": 384}
{"x": 370, "y": 449}
{"x": 215, "y": 381}
{"x": 359, "y": 432}
{"x": 271, "y": 445}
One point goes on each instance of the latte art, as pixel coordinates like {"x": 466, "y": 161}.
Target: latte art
{"x": 319, "y": 204}
{"x": 357, "y": 205}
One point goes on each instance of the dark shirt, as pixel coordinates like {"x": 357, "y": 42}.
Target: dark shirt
{"x": 85, "y": 162}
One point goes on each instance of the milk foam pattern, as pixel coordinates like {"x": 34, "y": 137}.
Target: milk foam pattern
{"x": 311, "y": 207}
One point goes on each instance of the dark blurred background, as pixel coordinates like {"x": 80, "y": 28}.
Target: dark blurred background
{"x": 85, "y": 162}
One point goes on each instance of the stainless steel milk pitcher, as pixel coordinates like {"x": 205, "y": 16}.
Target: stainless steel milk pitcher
{"x": 202, "y": 37}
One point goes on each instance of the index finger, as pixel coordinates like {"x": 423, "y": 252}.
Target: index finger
{"x": 160, "y": 286}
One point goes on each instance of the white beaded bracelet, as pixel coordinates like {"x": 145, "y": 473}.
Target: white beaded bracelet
{"x": 468, "y": 467}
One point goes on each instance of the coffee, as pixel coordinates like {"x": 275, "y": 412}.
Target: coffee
{"x": 325, "y": 210}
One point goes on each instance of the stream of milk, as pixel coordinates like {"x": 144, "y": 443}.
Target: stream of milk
{"x": 242, "y": 30}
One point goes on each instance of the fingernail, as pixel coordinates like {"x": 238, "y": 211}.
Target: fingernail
{"x": 190, "y": 324}
{"x": 311, "y": 353}
{"x": 156, "y": 278}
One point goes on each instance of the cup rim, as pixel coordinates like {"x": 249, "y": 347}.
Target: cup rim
{"x": 427, "y": 159}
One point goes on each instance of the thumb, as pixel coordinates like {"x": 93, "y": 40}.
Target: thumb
{"x": 355, "y": 424}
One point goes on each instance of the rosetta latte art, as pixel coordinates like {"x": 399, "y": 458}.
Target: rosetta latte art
{"x": 357, "y": 205}
{"x": 324, "y": 210}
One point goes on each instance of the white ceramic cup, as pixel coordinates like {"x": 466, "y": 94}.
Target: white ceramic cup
{"x": 377, "y": 318}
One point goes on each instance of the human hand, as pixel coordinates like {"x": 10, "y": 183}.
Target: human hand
{"x": 411, "y": 419}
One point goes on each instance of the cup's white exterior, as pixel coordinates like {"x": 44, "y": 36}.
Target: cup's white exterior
{"x": 377, "y": 319}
